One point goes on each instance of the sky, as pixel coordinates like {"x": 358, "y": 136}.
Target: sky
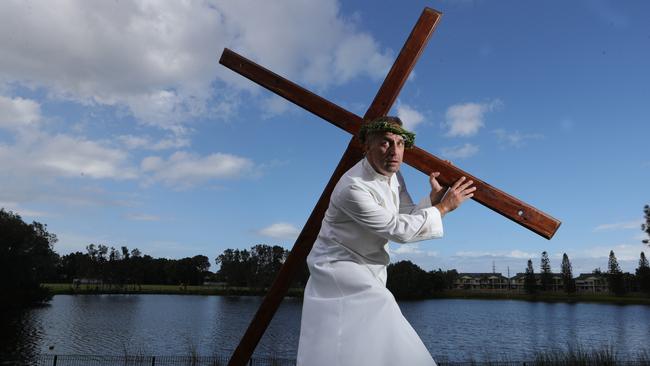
{"x": 119, "y": 127}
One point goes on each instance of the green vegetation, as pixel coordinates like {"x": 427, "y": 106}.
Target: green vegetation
{"x": 407, "y": 280}
{"x": 26, "y": 259}
{"x": 68, "y": 289}
{"x": 530, "y": 282}
{"x": 567, "y": 275}
{"x": 646, "y": 226}
{"x": 615, "y": 277}
{"x": 255, "y": 268}
{"x": 628, "y": 299}
{"x": 582, "y": 357}
{"x": 643, "y": 274}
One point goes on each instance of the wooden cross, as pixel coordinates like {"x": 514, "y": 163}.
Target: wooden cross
{"x": 499, "y": 201}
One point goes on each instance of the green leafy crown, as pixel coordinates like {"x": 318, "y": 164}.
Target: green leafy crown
{"x": 386, "y": 124}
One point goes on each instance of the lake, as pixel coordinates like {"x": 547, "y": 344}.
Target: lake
{"x": 452, "y": 329}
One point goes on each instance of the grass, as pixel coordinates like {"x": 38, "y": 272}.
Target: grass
{"x": 69, "y": 289}
{"x": 633, "y": 298}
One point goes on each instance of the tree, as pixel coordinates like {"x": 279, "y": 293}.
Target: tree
{"x": 646, "y": 227}
{"x": 530, "y": 282}
{"x": 567, "y": 275}
{"x": 615, "y": 276}
{"x": 26, "y": 259}
{"x": 406, "y": 280}
{"x": 265, "y": 263}
{"x": 643, "y": 274}
{"x": 546, "y": 277}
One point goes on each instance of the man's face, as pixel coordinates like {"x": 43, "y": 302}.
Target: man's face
{"x": 385, "y": 152}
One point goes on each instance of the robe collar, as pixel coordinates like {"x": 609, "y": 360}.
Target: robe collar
{"x": 376, "y": 176}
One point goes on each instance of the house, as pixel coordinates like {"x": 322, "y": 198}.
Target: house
{"x": 517, "y": 282}
{"x": 481, "y": 281}
{"x": 591, "y": 282}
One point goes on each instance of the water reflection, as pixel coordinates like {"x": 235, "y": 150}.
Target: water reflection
{"x": 453, "y": 330}
{"x": 18, "y": 330}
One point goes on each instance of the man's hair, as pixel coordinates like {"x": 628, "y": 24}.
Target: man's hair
{"x": 385, "y": 124}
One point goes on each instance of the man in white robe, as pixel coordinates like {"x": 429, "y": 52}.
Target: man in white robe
{"x": 348, "y": 315}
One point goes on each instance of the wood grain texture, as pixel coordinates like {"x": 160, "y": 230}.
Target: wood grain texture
{"x": 403, "y": 65}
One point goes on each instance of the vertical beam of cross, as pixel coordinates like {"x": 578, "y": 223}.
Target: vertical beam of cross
{"x": 380, "y": 106}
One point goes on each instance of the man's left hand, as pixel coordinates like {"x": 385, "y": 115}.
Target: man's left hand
{"x": 437, "y": 190}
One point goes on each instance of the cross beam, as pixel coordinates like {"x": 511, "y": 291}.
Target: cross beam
{"x": 487, "y": 195}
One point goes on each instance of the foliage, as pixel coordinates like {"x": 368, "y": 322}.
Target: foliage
{"x": 530, "y": 282}
{"x": 546, "y": 277}
{"x": 643, "y": 274}
{"x": 615, "y": 278}
{"x": 386, "y": 124}
{"x": 646, "y": 226}
{"x": 567, "y": 275}
{"x": 109, "y": 267}
{"x": 26, "y": 259}
{"x": 255, "y": 268}
{"x": 406, "y": 280}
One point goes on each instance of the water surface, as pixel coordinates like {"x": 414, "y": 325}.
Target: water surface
{"x": 453, "y": 330}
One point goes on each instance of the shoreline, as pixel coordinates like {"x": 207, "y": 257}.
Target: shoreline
{"x": 68, "y": 289}
{"x": 549, "y": 297}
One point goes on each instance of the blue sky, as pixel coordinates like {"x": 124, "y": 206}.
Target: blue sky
{"x": 119, "y": 127}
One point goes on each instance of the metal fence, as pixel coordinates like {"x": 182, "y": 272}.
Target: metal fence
{"x": 93, "y": 360}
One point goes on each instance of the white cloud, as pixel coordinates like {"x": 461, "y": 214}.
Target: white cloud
{"x": 518, "y": 254}
{"x": 307, "y": 41}
{"x": 16, "y": 208}
{"x": 280, "y": 230}
{"x": 460, "y": 152}
{"x": 515, "y": 138}
{"x": 466, "y": 119}
{"x": 625, "y": 251}
{"x": 146, "y": 143}
{"x": 274, "y": 105}
{"x": 158, "y": 59}
{"x": 41, "y": 155}
{"x": 142, "y": 217}
{"x": 184, "y": 170}
{"x": 407, "y": 249}
{"x": 409, "y": 116}
{"x": 627, "y": 225}
{"x": 18, "y": 112}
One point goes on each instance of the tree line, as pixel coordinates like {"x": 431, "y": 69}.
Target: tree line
{"x": 255, "y": 268}
{"x": 27, "y": 259}
{"x": 406, "y": 280}
{"x": 618, "y": 282}
{"x": 111, "y": 267}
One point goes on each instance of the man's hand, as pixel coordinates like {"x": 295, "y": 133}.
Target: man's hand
{"x": 457, "y": 194}
{"x": 437, "y": 190}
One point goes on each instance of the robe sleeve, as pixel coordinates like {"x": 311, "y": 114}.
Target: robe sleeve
{"x": 421, "y": 223}
{"x": 406, "y": 205}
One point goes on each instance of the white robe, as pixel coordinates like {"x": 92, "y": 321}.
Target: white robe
{"x": 348, "y": 315}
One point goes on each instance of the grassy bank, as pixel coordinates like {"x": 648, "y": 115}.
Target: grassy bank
{"x": 68, "y": 289}
{"x": 65, "y": 288}
{"x": 639, "y": 299}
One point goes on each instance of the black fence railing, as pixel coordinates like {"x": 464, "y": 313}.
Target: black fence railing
{"x": 125, "y": 360}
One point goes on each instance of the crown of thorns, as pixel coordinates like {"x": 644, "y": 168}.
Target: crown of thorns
{"x": 387, "y": 124}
